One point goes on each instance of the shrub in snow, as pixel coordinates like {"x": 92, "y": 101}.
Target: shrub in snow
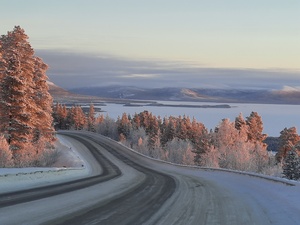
{"x": 5, "y": 154}
{"x": 108, "y": 128}
{"x": 291, "y": 166}
{"x": 179, "y": 151}
{"x": 47, "y": 158}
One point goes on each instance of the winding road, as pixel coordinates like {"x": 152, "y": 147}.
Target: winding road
{"x": 127, "y": 188}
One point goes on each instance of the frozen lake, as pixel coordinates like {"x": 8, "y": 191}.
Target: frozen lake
{"x": 275, "y": 117}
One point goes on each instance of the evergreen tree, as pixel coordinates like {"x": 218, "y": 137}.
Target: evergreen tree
{"x": 154, "y": 134}
{"x": 91, "y": 119}
{"x": 287, "y": 140}
{"x": 240, "y": 122}
{"x": 124, "y": 125}
{"x": 201, "y": 146}
{"x": 43, "y": 125}
{"x": 76, "y": 118}
{"x": 255, "y": 130}
{"x": 25, "y": 104}
{"x": 60, "y": 113}
{"x": 16, "y": 110}
{"x": 169, "y": 132}
{"x": 291, "y": 166}
{"x": 136, "y": 122}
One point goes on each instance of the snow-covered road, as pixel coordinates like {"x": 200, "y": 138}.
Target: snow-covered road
{"x": 189, "y": 195}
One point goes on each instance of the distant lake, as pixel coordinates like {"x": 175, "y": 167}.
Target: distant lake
{"x": 275, "y": 117}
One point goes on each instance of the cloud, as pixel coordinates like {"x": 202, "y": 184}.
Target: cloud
{"x": 291, "y": 89}
{"x": 71, "y": 70}
{"x": 139, "y": 76}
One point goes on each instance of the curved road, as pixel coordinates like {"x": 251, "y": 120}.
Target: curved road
{"x": 132, "y": 189}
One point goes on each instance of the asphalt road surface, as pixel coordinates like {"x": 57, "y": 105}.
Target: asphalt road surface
{"x": 127, "y": 188}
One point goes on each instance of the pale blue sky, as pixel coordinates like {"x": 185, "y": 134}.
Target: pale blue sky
{"x": 242, "y": 34}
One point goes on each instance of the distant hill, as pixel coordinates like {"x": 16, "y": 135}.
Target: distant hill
{"x": 285, "y": 96}
{"x": 61, "y": 95}
{"x": 64, "y": 96}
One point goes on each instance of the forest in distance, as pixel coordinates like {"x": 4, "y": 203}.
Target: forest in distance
{"x": 238, "y": 145}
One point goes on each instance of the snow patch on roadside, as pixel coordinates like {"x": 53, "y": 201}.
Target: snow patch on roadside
{"x": 69, "y": 156}
{"x": 69, "y": 166}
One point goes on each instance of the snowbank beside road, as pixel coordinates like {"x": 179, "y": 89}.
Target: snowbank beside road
{"x": 70, "y": 165}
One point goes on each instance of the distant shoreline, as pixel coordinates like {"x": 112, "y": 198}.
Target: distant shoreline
{"x": 222, "y": 106}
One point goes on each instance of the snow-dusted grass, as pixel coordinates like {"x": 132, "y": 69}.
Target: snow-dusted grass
{"x": 70, "y": 165}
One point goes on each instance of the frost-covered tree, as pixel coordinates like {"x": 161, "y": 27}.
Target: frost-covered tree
{"x": 91, "y": 119}
{"x": 255, "y": 128}
{"x": 225, "y": 139}
{"x": 25, "y": 112}
{"x": 179, "y": 151}
{"x": 76, "y": 118}
{"x": 291, "y": 165}
{"x": 287, "y": 140}
{"x": 202, "y": 145}
{"x": 169, "y": 130}
{"x": 124, "y": 125}
{"x": 108, "y": 127}
{"x": 230, "y": 148}
{"x": 43, "y": 125}
{"x": 17, "y": 109}
{"x": 239, "y": 122}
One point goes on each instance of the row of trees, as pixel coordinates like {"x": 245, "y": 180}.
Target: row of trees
{"x": 25, "y": 104}
{"x": 238, "y": 145}
{"x": 73, "y": 118}
{"x": 233, "y": 145}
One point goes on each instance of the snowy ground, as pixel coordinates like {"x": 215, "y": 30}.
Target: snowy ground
{"x": 70, "y": 165}
{"x": 237, "y": 197}
{"x": 201, "y": 196}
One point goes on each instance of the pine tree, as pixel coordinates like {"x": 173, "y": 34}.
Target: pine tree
{"x": 124, "y": 125}
{"x": 202, "y": 144}
{"x": 239, "y": 122}
{"x": 60, "y": 113}
{"x": 91, "y": 119}
{"x": 291, "y": 166}
{"x": 287, "y": 140}
{"x": 77, "y": 118}
{"x": 25, "y": 104}
{"x": 169, "y": 131}
{"x": 255, "y": 130}
{"x": 17, "y": 109}
{"x": 43, "y": 125}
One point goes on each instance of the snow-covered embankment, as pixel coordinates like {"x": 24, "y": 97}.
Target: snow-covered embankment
{"x": 70, "y": 165}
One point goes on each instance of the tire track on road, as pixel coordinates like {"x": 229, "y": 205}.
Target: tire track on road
{"x": 134, "y": 207}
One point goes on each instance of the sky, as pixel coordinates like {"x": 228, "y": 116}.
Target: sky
{"x": 209, "y": 43}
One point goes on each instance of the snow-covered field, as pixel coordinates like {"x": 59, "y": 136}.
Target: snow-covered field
{"x": 70, "y": 165}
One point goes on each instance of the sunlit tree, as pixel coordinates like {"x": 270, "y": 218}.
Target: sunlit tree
{"x": 25, "y": 104}
{"x": 287, "y": 140}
